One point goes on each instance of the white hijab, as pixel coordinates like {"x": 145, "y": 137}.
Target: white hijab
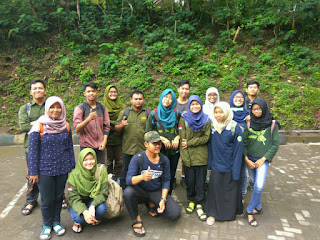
{"x": 208, "y": 107}
{"x": 220, "y": 126}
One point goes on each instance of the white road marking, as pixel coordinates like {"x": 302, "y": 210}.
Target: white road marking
{"x": 11, "y": 204}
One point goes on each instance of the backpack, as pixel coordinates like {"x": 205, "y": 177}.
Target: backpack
{"x": 272, "y": 127}
{"x": 41, "y": 129}
{"x": 157, "y": 120}
{"x": 127, "y": 109}
{"x": 115, "y": 201}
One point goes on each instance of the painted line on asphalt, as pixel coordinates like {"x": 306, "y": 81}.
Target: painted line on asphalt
{"x": 11, "y": 204}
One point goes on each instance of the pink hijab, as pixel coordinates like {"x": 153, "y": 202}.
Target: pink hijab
{"x": 51, "y": 125}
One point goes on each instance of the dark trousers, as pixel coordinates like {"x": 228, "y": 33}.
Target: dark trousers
{"x": 134, "y": 195}
{"x": 101, "y": 155}
{"x": 114, "y": 159}
{"x": 174, "y": 159}
{"x": 195, "y": 180}
{"x": 126, "y": 158}
{"x": 33, "y": 191}
{"x": 51, "y": 191}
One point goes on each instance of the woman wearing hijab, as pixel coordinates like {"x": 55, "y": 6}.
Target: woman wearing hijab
{"x": 261, "y": 143}
{"x": 224, "y": 160}
{"x": 240, "y": 115}
{"x": 114, "y": 144}
{"x": 212, "y": 98}
{"x": 87, "y": 195}
{"x": 164, "y": 119}
{"x": 51, "y": 158}
{"x": 194, "y": 130}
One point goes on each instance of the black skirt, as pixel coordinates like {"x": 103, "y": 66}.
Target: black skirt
{"x": 224, "y": 200}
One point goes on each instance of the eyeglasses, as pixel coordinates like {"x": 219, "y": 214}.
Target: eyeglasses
{"x": 238, "y": 97}
{"x": 113, "y": 92}
{"x": 256, "y": 110}
{"x": 212, "y": 95}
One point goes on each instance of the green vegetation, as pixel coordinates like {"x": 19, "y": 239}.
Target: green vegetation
{"x": 137, "y": 44}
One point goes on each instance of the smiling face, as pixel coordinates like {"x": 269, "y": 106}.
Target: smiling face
{"x": 167, "y": 100}
{"x": 195, "y": 106}
{"x": 238, "y": 99}
{"x": 256, "y": 110}
{"x": 113, "y": 94}
{"x": 219, "y": 114}
{"x": 89, "y": 162}
{"x": 212, "y": 97}
{"x": 184, "y": 90}
{"x": 37, "y": 91}
{"x": 252, "y": 90}
{"x": 55, "y": 110}
{"x": 90, "y": 93}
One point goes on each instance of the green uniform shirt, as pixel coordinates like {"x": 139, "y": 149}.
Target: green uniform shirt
{"x": 259, "y": 144}
{"x": 196, "y": 153}
{"x": 24, "y": 120}
{"x": 133, "y": 133}
{"x": 114, "y": 137}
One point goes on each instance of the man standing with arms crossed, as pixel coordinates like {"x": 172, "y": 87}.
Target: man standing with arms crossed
{"x": 28, "y": 114}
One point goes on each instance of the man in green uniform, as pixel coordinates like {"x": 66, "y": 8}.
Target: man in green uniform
{"x": 28, "y": 114}
{"x": 133, "y": 122}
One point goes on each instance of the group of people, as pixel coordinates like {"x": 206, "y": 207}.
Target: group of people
{"x": 142, "y": 148}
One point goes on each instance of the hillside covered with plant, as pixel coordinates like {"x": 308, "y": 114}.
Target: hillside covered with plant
{"x": 152, "y": 45}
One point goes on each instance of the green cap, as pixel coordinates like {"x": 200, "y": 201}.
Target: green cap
{"x": 152, "y": 136}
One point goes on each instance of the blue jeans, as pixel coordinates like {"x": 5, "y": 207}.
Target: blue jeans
{"x": 258, "y": 177}
{"x": 100, "y": 211}
{"x": 243, "y": 178}
{"x": 51, "y": 192}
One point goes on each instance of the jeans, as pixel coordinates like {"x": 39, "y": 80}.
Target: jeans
{"x": 258, "y": 177}
{"x": 51, "y": 192}
{"x": 32, "y": 194}
{"x": 243, "y": 178}
{"x": 100, "y": 211}
{"x": 101, "y": 155}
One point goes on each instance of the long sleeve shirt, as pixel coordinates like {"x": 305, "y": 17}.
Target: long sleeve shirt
{"x": 225, "y": 150}
{"x": 52, "y": 155}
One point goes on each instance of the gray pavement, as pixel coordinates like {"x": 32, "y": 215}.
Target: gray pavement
{"x": 291, "y": 204}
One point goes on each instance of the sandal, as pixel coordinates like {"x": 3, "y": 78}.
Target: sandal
{"x": 77, "y": 228}
{"x": 25, "y": 210}
{"x": 97, "y": 223}
{"x": 45, "y": 233}
{"x": 152, "y": 210}
{"x": 141, "y": 227}
{"x": 211, "y": 221}
{"x": 258, "y": 211}
{"x": 251, "y": 222}
{"x": 201, "y": 214}
{"x": 190, "y": 208}
{"x": 64, "y": 203}
{"x": 59, "y": 229}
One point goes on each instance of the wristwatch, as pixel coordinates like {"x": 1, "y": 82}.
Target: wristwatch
{"x": 164, "y": 199}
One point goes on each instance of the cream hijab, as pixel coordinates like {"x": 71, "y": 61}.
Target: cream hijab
{"x": 220, "y": 126}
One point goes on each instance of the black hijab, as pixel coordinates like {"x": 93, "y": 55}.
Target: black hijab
{"x": 263, "y": 122}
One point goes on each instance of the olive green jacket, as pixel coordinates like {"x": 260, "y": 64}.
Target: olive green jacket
{"x": 196, "y": 153}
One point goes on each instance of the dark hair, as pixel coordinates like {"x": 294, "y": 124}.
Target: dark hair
{"x": 183, "y": 82}
{"x": 37, "y": 81}
{"x": 252, "y": 82}
{"x": 90, "y": 84}
{"x": 136, "y": 92}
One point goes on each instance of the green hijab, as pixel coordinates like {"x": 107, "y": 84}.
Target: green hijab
{"x": 114, "y": 106}
{"x": 84, "y": 180}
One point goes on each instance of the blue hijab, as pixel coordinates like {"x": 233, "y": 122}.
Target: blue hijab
{"x": 195, "y": 120}
{"x": 239, "y": 113}
{"x": 167, "y": 115}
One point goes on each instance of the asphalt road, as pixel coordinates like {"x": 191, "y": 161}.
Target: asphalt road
{"x": 291, "y": 204}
